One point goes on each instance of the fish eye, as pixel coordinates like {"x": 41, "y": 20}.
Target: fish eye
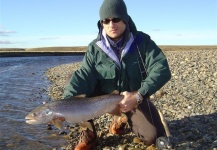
{"x": 48, "y": 112}
{"x": 34, "y": 114}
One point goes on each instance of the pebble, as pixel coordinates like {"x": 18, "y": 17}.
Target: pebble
{"x": 188, "y": 102}
{"x": 62, "y": 133}
{"x": 49, "y": 126}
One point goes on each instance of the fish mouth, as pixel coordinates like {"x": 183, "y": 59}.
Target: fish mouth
{"x": 30, "y": 120}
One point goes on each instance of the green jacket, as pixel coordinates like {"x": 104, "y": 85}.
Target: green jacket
{"x": 101, "y": 72}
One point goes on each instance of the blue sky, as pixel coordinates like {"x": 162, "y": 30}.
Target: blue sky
{"x": 49, "y": 23}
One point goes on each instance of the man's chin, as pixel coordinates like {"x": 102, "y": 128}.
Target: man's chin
{"x": 115, "y": 37}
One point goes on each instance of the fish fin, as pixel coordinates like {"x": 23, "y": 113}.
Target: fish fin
{"x": 115, "y": 92}
{"x": 80, "y": 96}
{"x": 116, "y": 111}
{"x": 58, "y": 122}
{"x": 85, "y": 125}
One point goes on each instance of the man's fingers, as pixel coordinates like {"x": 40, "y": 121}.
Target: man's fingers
{"x": 124, "y": 110}
{"x": 122, "y": 105}
{"x": 124, "y": 93}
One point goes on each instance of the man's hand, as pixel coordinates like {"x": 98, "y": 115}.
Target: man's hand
{"x": 128, "y": 102}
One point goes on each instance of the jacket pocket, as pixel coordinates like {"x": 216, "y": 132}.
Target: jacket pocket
{"x": 133, "y": 70}
{"x": 106, "y": 77}
{"x": 134, "y": 75}
{"x": 105, "y": 71}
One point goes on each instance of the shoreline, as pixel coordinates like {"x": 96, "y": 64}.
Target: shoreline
{"x": 80, "y": 50}
{"x": 35, "y": 54}
{"x": 188, "y": 103}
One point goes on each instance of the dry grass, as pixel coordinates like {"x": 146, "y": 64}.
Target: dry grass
{"x": 12, "y": 50}
{"x": 58, "y": 49}
{"x": 81, "y": 49}
{"x": 188, "y": 48}
{"x": 45, "y": 49}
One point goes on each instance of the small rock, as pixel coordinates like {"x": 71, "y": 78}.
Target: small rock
{"x": 62, "y": 133}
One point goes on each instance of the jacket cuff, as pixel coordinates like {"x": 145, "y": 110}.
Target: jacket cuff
{"x": 144, "y": 93}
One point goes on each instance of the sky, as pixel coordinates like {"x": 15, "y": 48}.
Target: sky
{"x": 67, "y": 23}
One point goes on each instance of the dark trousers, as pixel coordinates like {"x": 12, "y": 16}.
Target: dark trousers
{"x": 146, "y": 123}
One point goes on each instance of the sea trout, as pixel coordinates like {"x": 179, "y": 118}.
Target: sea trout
{"x": 74, "y": 110}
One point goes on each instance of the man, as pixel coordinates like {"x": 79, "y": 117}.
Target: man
{"x": 124, "y": 59}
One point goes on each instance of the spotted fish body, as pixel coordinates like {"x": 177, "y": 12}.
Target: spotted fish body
{"x": 74, "y": 109}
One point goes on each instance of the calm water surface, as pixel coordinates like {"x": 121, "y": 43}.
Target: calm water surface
{"x": 23, "y": 86}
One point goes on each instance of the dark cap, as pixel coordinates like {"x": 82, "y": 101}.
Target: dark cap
{"x": 113, "y": 9}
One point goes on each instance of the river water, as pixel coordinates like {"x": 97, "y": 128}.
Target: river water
{"x": 23, "y": 86}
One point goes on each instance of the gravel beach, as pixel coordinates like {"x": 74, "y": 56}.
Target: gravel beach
{"x": 188, "y": 102}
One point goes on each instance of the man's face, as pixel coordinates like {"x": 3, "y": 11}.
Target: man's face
{"x": 114, "y": 28}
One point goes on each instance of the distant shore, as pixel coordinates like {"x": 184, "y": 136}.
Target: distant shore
{"x": 80, "y": 50}
{"x": 34, "y": 54}
{"x": 43, "y": 51}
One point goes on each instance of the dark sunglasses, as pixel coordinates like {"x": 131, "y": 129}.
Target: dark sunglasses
{"x": 114, "y": 20}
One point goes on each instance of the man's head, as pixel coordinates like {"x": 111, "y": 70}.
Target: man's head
{"x": 114, "y": 18}
{"x": 113, "y": 9}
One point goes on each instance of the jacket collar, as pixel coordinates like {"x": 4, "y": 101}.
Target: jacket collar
{"x": 104, "y": 44}
{"x": 106, "y": 47}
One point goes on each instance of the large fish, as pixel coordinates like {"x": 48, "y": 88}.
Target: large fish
{"x": 74, "y": 109}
